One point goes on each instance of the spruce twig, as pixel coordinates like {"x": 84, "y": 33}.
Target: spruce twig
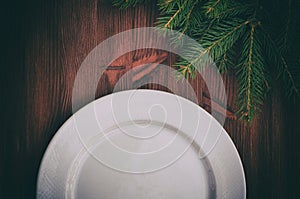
{"x": 217, "y": 42}
{"x": 249, "y": 64}
{"x": 283, "y": 61}
{"x": 213, "y": 6}
{"x": 167, "y": 25}
{"x": 231, "y": 29}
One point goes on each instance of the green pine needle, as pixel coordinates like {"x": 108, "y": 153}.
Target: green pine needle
{"x": 123, "y": 4}
{"x": 250, "y": 73}
{"x": 249, "y": 37}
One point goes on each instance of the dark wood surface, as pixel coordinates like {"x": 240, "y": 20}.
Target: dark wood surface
{"x": 43, "y": 45}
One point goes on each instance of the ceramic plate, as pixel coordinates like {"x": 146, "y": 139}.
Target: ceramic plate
{"x": 141, "y": 144}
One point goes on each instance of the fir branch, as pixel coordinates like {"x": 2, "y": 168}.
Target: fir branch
{"x": 166, "y": 6}
{"x": 211, "y": 8}
{"x": 227, "y": 8}
{"x": 251, "y": 68}
{"x": 284, "y": 37}
{"x": 227, "y": 27}
{"x": 123, "y": 4}
{"x": 215, "y": 45}
{"x": 288, "y": 23}
{"x": 229, "y": 59}
{"x": 202, "y": 27}
{"x": 222, "y": 63}
{"x": 167, "y": 25}
{"x": 276, "y": 56}
{"x": 187, "y": 20}
{"x": 176, "y": 15}
{"x": 249, "y": 64}
{"x": 235, "y": 10}
{"x": 212, "y": 44}
{"x": 266, "y": 81}
{"x": 286, "y": 68}
{"x": 217, "y": 42}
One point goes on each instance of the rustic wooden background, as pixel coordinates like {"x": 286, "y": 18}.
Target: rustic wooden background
{"x": 43, "y": 45}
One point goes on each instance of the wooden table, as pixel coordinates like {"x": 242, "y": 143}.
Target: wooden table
{"x": 43, "y": 46}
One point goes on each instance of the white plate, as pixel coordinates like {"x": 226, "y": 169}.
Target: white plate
{"x": 141, "y": 144}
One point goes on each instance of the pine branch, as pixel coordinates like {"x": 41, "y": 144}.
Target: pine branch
{"x": 123, "y": 4}
{"x": 169, "y": 14}
{"x": 226, "y": 36}
{"x": 281, "y": 63}
{"x": 252, "y": 91}
{"x": 225, "y": 28}
{"x": 288, "y": 23}
{"x": 222, "y": 42}
{"x": 222, "y": 63}
{"x": 235, "y": 10}
{"x": 229, "y": 59}
{"x": 226, "y": 8}
{"x": 214, "y": 44}
{"x": 187, "y": 20}
{"x": 284, "y": 37}
{"x": 212, "y": 7}
{"x": 249, "y": 65}
{"x": 166, "y": 6}
{"x": 167, "y": 25}
{"x": 176, "y": 14}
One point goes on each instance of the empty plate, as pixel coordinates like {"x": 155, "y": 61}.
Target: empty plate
{"x": 141, "y": 144}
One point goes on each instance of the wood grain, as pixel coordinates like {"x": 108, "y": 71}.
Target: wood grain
{"x": 45, "y": 44}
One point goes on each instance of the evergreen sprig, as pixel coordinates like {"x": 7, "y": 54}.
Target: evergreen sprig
{"x": 250, "y": 74}
{"x": 123, "y": 4}
{"x": 261, "y": 45}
